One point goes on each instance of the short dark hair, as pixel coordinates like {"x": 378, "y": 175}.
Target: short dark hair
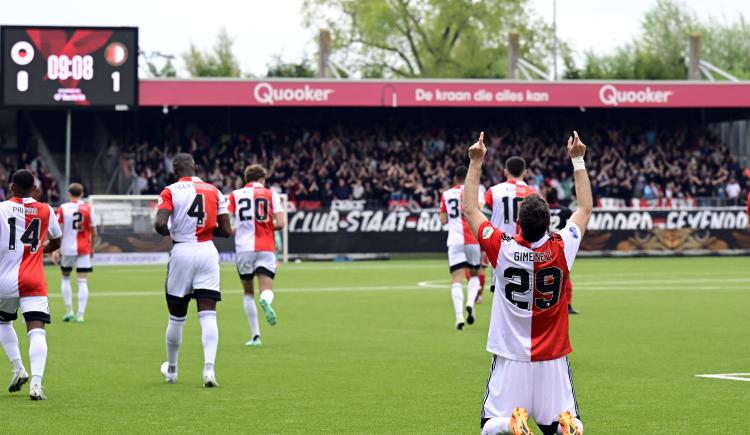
{"x": 460, "y": 173}
{"x": 254, "y": 173}
{"x": 551, "y": 195}
{"x": 533, "y": 217}
{"x": 24, "y": 179}
{"x": 515, "y": 166}
{"x": 75, "y": 189}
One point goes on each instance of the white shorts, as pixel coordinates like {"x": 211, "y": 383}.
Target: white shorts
{"x": 544, "y": 388}
{"x": 463, "y": 256}
{"x": 32, "y": 307}
{"x": 193, "y": 272}
{"x": 251, "y": 262}
{"x": 82, "y": 263}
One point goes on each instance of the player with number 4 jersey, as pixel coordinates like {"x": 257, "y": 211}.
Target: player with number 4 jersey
{"x": 78, "y": 223}
{"x": 528, "y": 334}
{"x": 257, "y": 215}
{"x": 463, "y": 250}
{"x": 192, "y": 212}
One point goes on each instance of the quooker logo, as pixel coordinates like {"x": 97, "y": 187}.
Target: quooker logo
{"x": 265, "y": 93}
{"x": 611, "y": 96}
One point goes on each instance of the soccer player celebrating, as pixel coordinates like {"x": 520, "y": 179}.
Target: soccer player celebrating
{"x": 463, "y": 249}
{"x": 257, "y": 215}
{"x": 25, "y": 225}
{"x": 77, "y": 220}
{"x": 558, "y": 218}
{"x": 528, "y": 334}
{"x": 192, "y": 212}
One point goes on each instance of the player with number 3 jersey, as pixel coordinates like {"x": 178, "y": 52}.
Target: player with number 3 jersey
{"x": 192, "y": 211}
{"x": 463, "y": 250}
{"x": 528, "y": 334}
{"x": 257, "y": 215}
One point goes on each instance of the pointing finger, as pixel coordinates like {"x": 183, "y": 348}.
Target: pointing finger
{"x": 481, "y": 137}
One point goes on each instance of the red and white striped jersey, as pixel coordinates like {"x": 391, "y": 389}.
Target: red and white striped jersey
{"x": 451, "y": 204}
{"x": 24, "y": 227}
{"x": 529, "y": 320}
{"x": 76, "y": 220}
{"x": 502, "y": 199}
{"x": 253, "y": 207}
{"x": 195, "y": 206}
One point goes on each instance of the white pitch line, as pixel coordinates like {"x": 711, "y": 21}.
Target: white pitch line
{"x": 728, "y": 376}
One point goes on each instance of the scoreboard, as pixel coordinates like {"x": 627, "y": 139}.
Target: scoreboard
{"x": 69, "y": 66}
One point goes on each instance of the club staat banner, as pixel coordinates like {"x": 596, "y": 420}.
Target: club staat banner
{"x": 358, "y": 230}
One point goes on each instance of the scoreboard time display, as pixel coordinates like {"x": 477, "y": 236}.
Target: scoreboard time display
{"x": 69, "y": 66}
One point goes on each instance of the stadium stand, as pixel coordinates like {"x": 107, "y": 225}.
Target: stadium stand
{"x": 403, "y": 167}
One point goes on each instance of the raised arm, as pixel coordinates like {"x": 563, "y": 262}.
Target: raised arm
{"x": 472, "y": 213}
{"x": 576, "y": 150}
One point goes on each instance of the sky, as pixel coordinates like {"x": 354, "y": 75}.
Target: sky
{"x": 263, "y": 29}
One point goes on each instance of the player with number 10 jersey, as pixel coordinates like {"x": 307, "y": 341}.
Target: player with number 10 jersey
{"x": 503, "y": 198}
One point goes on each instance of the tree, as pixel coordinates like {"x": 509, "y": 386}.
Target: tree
{"x": 159, "y": 64}
{"x": 220, "y": 62}
{"x": 429, "y": 38}
{"x": 279, "y": 68}
{"x": 660, "y": 50}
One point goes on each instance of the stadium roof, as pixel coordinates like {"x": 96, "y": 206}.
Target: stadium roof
{"x": 443, "y": 93}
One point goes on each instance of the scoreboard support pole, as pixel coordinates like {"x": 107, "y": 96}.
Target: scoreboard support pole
{"x": 68, "y": 132}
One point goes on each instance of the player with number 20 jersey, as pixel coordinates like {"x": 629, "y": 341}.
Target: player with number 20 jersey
{"x": 257, "y": 215}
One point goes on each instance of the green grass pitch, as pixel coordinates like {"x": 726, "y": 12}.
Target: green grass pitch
{"x": 362, "y": 348}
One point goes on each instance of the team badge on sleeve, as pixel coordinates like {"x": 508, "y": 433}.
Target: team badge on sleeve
{"x": 487, "y": 232}
{"x": 573, "y": 232}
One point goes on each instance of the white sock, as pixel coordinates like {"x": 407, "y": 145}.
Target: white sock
{"x": 267, "y": 295}
{"x": 174, "y": 339}
{"x": 252, "y": 315}
{"x": 67, "y": 293}
{"x": 496, "y": 425}
{"x": 578, "y": 422}
{"x": 210, "y": 338}
{"x": 472, "y": 290}
{"x": 83, "y": 295}
{"x": 37, "y": 354}
{"x": 9, "y": 340}
{"x": 457, "y": 293}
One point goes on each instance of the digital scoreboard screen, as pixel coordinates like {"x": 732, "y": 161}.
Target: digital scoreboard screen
{"x": 69, "y": 66}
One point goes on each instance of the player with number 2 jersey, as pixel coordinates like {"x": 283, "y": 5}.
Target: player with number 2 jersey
{"x": 257, "y": 215}
{"x": 528, "y": 334}
{"x": 78, "y": 221}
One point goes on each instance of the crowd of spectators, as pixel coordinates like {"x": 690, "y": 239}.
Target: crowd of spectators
{"x": 414, "y": 167}
{"x": 45, "y": 181}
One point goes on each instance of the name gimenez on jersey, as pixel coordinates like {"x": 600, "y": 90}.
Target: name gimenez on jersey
{"x": 536, "y": 257}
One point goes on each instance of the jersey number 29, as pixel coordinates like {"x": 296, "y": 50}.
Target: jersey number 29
{"x": 546, "y": 284}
